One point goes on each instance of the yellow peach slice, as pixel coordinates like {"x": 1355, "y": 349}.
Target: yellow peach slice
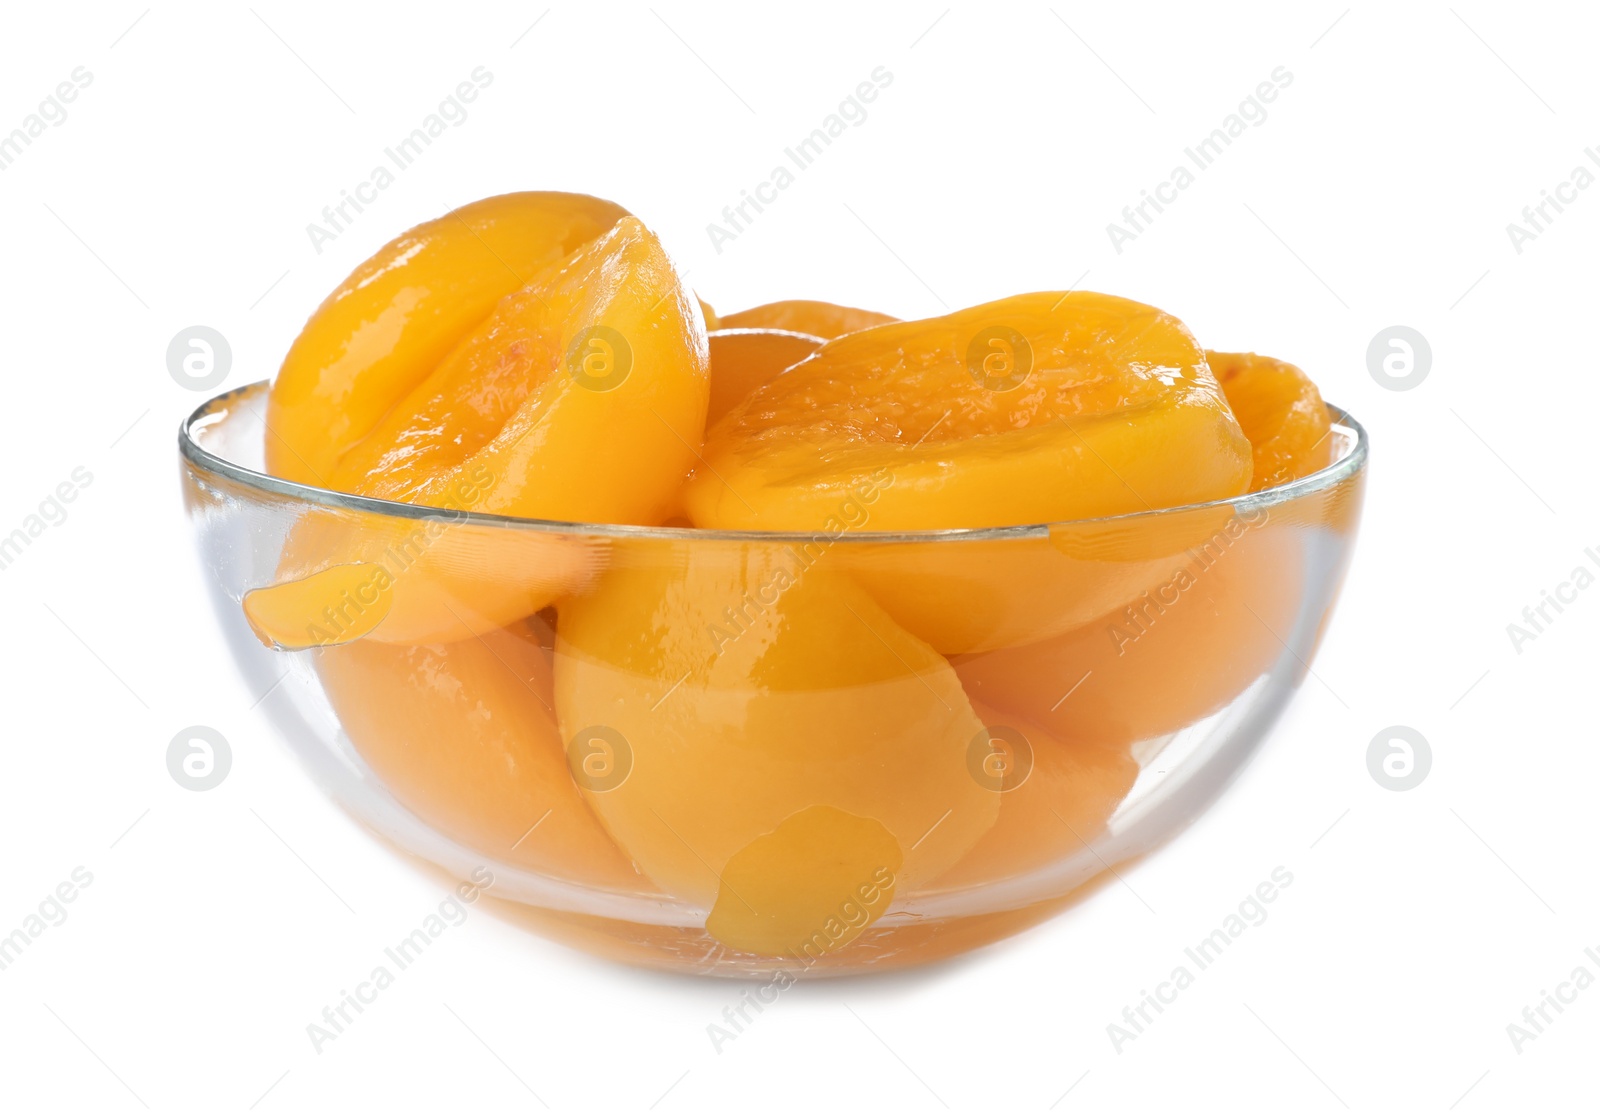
{"x": 1055, "y": 799}
{"x": 579, "y": 399}
{"x": 744, "y": 360}
{"x": 971, "y": 596}
{"x": 808, "y": 887}
{"x": 709, "y": 314}
{"x": 395, "y": 317}
{"x": 410, "y": 581}
{"x": 747, "y": 689}
{"x": 1182, "y": 649}
{"x": 1281, "y": 413}
{"x": 805, "y": 316}
{"x": 1040, "y": 408}
{"x": 464, "y": 736}
{"x": 741, "y": 362}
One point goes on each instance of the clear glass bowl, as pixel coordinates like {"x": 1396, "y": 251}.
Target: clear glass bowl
{"x": 738, "y": 753}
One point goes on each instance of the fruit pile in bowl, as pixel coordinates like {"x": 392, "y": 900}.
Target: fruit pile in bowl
{"x": 797, "y": 639}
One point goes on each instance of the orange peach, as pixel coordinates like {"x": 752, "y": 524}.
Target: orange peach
{"x": 464, "y": 735}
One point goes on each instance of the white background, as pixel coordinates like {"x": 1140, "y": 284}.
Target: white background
{"x": 1377, "y": 192}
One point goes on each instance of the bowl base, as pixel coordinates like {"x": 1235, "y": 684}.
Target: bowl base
{"x": 691, "y": 950}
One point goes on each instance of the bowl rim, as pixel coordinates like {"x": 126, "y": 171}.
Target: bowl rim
{"x": 198, "y": 456}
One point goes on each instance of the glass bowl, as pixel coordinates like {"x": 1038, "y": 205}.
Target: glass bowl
{"x": 734, "y": 753}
